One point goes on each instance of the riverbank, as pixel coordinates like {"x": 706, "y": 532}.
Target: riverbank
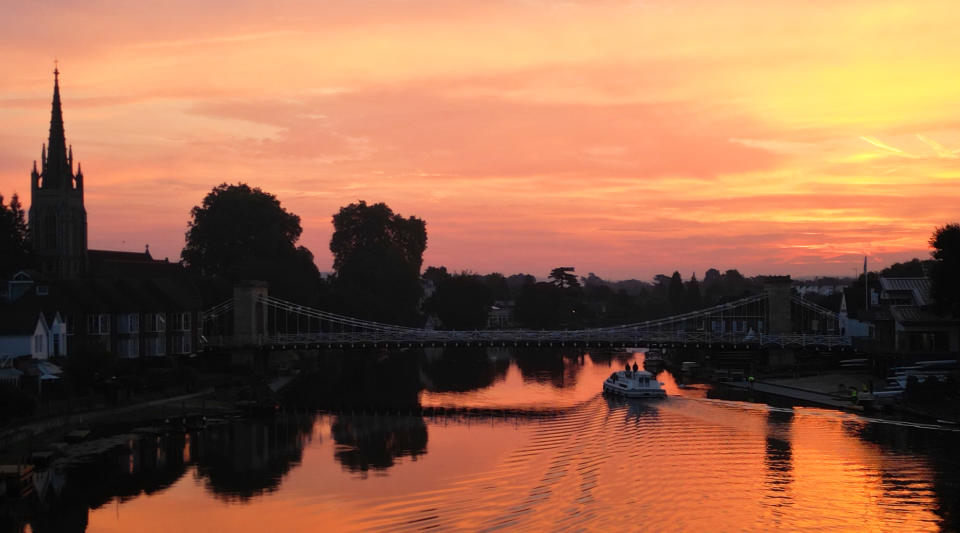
{"x": 38, "y": 434}
{"x": 834, "y": 391}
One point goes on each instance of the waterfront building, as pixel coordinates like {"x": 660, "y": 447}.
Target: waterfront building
{"x": 900, "y": 318}
{"x": 912, "y": 324}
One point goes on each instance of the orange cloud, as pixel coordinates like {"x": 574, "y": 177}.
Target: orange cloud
{"x": 623, "y": 138}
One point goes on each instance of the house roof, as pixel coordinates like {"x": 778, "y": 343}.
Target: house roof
{"x": 8, "y": 373}
{"x": 912, "y": 313}
{"x": 113, "y": 264}
{"x": 919, "y": 288}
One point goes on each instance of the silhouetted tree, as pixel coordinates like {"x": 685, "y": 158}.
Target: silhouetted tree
{"x": 913, "y": 268}
{"x": 675, "y": 292}
{"x": 436, "y": 275}
{"x": 541, "y": 306}
{"x": 14, "y": 238}
{"x": 376, "y": 258}
{"x": 239, "y": 232}
{"x": 564, "y": 278}
{"x": 497, "y": 284}
{"x": 693, "y": 299}
{"x": 517, "y": 282}
{"x": 461, "y": 302}
{"x": 945, "y": 273}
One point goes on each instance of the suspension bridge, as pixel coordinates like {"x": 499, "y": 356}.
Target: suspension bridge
{"x": 773, "y": 319}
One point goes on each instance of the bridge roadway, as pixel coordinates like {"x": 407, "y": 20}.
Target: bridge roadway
{"x": 529, "y": 338}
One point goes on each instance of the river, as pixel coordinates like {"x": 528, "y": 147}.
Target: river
{"x": 560, "y": 457}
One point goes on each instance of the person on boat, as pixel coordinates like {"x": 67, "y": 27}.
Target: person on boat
{"x": 635, "y": 367}
{"x": 627, "y": 368}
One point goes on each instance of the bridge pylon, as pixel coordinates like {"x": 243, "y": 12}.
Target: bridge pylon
{"x": 780, "y": 314}
{"x": 249, "y": 314}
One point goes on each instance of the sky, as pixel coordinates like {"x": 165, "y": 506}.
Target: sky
{"x": 624, "y": 138}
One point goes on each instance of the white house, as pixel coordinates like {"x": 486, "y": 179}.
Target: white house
{"x": 851, "y": 327}
{"x": 23, "y": 334}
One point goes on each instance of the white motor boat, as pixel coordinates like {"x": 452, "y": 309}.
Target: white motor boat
{"x": 634, "y": 384}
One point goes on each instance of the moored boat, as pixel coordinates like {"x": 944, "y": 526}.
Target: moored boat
{"x": 653, "y": 360}
{"x": 634, "y": 384}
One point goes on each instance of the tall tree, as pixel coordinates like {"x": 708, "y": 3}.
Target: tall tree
{"x": 497, "y": 284}
{"x": 564, "y": 278}
{"x": 377, "y": 256}
{"x": 675, "y": 292}
{"x": 542, "y": 306}
{"x": 693, "y": 298}
{"x": 461, "y": 302}
{"x": 946, "y": 281}
{"x": 241, "y": 232}
{"x": 14, "y": 237}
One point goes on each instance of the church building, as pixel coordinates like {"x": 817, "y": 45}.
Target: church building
{"x": 124, "y": 303}
{"x": 58, "y": 220}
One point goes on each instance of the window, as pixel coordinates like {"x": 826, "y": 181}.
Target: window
{"x": 156, "y": 345}
{"x": 181, "y": 343}
{"x": 98, "y": 324}
{"x": 56, "y": 344}
{"x": 181, "y": 321}
{"x": 128, "y": 323}
{"x": 155, "y": 323}
{"x": 128, "y": 347}
{"x": 43, "y": 290}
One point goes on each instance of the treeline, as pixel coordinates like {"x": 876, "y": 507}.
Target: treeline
{"x": 568, "y": 301}
{"x": 240, "y": 233}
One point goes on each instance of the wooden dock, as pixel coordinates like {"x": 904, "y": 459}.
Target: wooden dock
{"x": 793, "y": 393}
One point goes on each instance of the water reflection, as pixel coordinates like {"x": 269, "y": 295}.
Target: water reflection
{"x": 635, "y": 409}
{"x": 247, "y": 458}
{"x": 686, "y": 463}
{"x": 366, "y": 442}
{"x": 463, "y": 369}
{"x": 778, "y": 458}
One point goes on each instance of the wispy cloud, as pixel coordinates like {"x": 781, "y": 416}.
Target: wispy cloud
{"x": 627, "y": 138}
{"x": 886, "y": 147}
{"x": 939, "y": 148}
{"x": 203, "y": 41}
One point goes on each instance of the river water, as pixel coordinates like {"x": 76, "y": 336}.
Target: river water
{"x": 561, "y": 457}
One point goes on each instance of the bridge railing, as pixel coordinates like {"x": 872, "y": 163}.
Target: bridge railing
{"x": 527, "y": 337}
{"x": 333, "y": 328}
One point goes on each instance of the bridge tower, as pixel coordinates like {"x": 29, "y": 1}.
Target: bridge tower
{"x": 779, "y": 318}
{"x": 249, "y": 312}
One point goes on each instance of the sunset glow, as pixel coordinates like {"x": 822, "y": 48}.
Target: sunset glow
{"x": 623, "y": 138}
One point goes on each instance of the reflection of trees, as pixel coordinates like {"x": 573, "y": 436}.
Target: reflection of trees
{"x": 383, "y": 379}
{"x": 366, "y": 441}
{"x": 247, "y": 458}
{"x": 461, "y": 369}
{"x": 149, "y": 465}
{"x": 558, "y": 367}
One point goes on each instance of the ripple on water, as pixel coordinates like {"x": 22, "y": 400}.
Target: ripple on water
{"x": 683, "y": 465}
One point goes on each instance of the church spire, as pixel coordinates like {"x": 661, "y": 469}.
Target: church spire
{"x": 57, "y": 167}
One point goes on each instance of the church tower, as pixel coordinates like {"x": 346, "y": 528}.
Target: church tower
{"x": 58, "y": 220}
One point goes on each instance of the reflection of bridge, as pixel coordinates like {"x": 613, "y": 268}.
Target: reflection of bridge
{"x": 773, "y": 319}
